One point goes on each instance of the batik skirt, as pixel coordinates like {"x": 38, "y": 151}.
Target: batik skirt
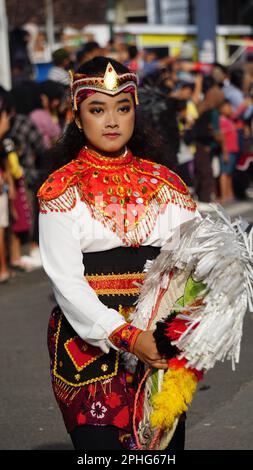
{"x": 92, "y": 387}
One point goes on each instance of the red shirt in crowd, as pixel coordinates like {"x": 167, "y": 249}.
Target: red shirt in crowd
{"x": 228, "y": 130}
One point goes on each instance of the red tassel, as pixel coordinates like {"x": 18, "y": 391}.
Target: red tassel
{"x": 176, "y": 328}
{"x": 176, "y": 363}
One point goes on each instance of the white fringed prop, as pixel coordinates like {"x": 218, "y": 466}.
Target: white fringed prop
{"x": 207, "y": 281}
{"x": 218, "y": 253}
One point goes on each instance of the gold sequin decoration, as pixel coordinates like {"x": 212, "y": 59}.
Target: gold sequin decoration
{"x": 77, "y": 377}
{"x": 110, "y": 191}
{"x": 116, "y": 179}
{"x": 104, "y": 367}
{"x": 60, "y": 363}
{"x": 127, "y": 178}
{"x": 95, "y": 174}
{"x": 106, "y": 179}
{"x": 144, "y": 189}
{"x": 120, "y": 191}
{"x": 129, "y": 191}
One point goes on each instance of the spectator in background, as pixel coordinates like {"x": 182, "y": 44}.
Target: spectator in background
{"x": 185, "y": 93}
{"x": 27, "y": 138}
{"x": 160, "y": 111}
{"x": 205, "y": 134}
{"x": 20, "y": 210}
{"x": 230, "y": 151}
{"x": 21, "y": 66}
{"x": 21, "y": 218}
{"x": 33, "y": 30}
{"x": 30, "y": 147}
{"x": 232, "y": 84}
{"x": 90, "y": 50}
{"x": 186, "y": 152}
{"x": 209, "y": 118}
{"x": 187, "y": 117}
{"x": 233, "y": 91}
{"x": 132, "y": 62}
{"x": 44, "y": 114}
{"x": 44, "y": 117}
{"x": 150, "y": 62}
{"x": 232, "y": 87}
{"x": 61, "y": 63}
{"x": 220, "y": 74}
{"x": 6, "y": 189}
{"x": 34, "y": 130}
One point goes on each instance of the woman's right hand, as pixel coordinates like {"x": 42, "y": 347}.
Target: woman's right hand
{"x": 145, "y": 349}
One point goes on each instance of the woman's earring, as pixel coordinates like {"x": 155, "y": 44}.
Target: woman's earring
{"x": 79, "y": 125}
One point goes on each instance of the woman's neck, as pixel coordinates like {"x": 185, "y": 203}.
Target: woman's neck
{"x": 118, "y": 153}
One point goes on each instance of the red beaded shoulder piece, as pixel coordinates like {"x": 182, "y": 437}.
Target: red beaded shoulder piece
{"x": 58, "y": 194}
{"x": 162, "y": 173}
{"x": 59, "y": 181}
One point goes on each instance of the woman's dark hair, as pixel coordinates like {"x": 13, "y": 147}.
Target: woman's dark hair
{"x": 145, "y": 142}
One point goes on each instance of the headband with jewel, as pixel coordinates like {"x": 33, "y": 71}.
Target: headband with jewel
{"x": 111, "y": 84}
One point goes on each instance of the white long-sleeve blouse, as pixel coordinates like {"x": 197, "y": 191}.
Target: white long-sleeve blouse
{"x": 64, "y": 236}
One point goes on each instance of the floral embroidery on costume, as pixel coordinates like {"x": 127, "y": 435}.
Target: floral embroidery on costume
{"x": 113, "y": 400}
{"x": 122, "y": 418}
{"x": 98, "y": 410}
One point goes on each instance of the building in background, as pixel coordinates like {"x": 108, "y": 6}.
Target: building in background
{"x": 167, "y": 25}
{"x": 131, "y": 11}
{"x": 77, "y": 13}
{"x": 74, "y": 13}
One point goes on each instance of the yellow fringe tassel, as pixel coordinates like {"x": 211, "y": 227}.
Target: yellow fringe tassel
{"x": 177, "y": 392}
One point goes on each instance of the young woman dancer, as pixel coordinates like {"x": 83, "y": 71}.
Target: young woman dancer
{"x": 106, "y": 210}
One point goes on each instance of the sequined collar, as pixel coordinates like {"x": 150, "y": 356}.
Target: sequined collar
{"x": 95, "y": 159}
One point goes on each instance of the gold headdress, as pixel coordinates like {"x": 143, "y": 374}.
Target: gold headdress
{"x": 111, "y": 84}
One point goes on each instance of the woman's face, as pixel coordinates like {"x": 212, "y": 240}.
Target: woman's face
{"x": 108, "y": 121}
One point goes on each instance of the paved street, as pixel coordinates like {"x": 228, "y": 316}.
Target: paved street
{"x": 221, "y": 416}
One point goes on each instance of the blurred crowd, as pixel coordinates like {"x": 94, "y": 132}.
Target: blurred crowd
{"x": 203, "y": 114}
